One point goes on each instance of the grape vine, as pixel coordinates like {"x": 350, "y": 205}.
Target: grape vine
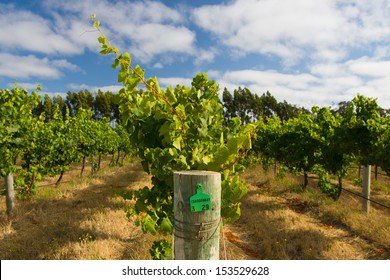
{"x": 176, "y": 129}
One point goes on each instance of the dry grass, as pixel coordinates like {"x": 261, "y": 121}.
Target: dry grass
{"x": 281, "y": 221}
{"x": 81, "y": 219}
{"x": 84, "y": 219}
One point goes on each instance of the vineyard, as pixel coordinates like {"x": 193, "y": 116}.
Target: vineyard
{"x": 272, "y": 159}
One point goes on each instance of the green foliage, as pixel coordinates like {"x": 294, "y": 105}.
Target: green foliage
{"x": 161, "y": 250}
{"x": 358, "y": 182}
{"x": 334, "y": 156}
{"x": 233, "y": 190}
{"x": 266, "y": 142}
{"x": 36, "y": 153}
{"x": 326, "y": 142}
{"x": 176, "y": 129}
{"x": 380, "y": 129}
{"x": 325, "y": 184}
{"x": 61, "y": 148}
{"x": 48, "y": 143}
{"x": 16, "y": 107}
{"x": 124, "y": 143}
{"x": 361, "y": 133}
{"x": 107, "y": 139}
{"x": 299, "y": 143}
{"x": 294, "y": 143}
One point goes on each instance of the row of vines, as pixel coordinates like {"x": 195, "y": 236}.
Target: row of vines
{"x": 32, "y": 147}
{"x": 327, "y": 143}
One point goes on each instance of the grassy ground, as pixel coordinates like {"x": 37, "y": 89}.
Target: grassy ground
{"x": 280, "y": 221}
{"x": 84, "y": 219}
{"x": 81, "y": 219}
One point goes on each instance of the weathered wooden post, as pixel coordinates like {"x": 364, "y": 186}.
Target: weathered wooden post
{"x": 366, "y": 188}
{"x": 197, "y": 215}
{"x": 10, "y": 194}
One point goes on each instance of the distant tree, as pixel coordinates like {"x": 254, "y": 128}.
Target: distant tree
{"x": 244, "y": 105}
{"x": 269, "y": 105}
{"x": 250, "y": 107}
{"x": 81, "y": 100}
{"x": 89, "y": 100}
{"x": 384, "y": 112}
{"x": 47, "y": 107}
{"x": 342, "y": 108}
{"x": 286, "y": 111}
{"x": 115, "y": 109}
{"x": 38, "y": 109}
{"x": 103, "y": 105}
{"x": 228, "y": 106}
{"x": 71, "y": 102}
{"x": 60, "y": 104}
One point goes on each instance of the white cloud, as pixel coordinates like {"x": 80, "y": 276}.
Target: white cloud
{"x": 62, "y": 63}
{"x": 335, "y": 85}
{"x": 94, "y": 88}
{"x": 328, "y": 69}
{"x": 158, "y": 65}
{"x": 144, "y": 28}
{"x": 297, "y": 30}
{"x": 28, "y": 86}
{"x": 174, "y": 81}
{"x": 24, "y": 67}
{"x": 281, "y": 28}
{"x": 78, "y": 86}
{"x": 155, "y": 39}
{"x": 118, "y": 11}
{"x": 270, "y": 78}
{"x": 163, "y": 82}
{"x": 24, "y": 30}
{"x": 367, "y": 67}
{"x": 205, "y": 56}
{"x": 54, "y": 93}
{"x": 365, "y": 75}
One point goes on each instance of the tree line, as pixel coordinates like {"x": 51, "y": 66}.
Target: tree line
{"x": 102, "y": 105}
{"x": 248, "y": 106}
{"x": 251, "y": 107}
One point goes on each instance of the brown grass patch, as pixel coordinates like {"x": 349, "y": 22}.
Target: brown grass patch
{"x": 83, "y": 218}
{"x": 285, "y": 222}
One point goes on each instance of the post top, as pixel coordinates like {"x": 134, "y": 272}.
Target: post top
{"x": 195, "y": 172}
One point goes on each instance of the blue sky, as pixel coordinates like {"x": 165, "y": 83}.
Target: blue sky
{"x": 303, "y": 51}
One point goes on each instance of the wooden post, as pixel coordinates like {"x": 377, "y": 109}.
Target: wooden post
{"x": 275, "y": 168}
{"x": 10, "y": 194}
{"x": 196, "y": 234}
{"x": 376, "y": 172}
{"x": 366, "y": 188}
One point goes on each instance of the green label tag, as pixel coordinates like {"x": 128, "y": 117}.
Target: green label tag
{"x": 200, "y": 201}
